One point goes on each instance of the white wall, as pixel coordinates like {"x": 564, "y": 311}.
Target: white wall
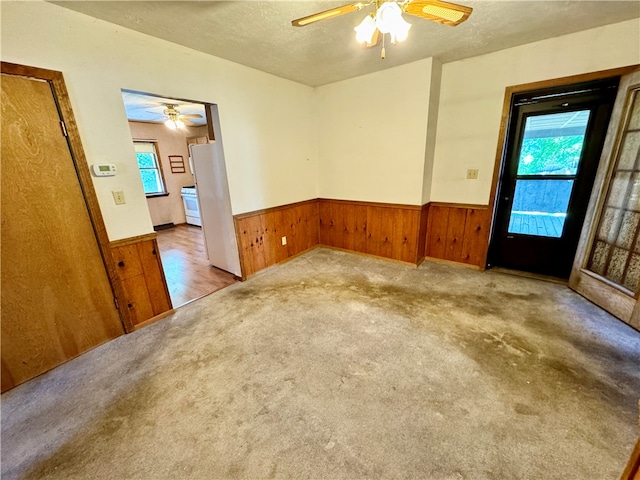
{"x": 472, "y": 95}
{"x": 373, "y": 133}
{"x": 267, "y": 122}
{"x": 368, "y": 138}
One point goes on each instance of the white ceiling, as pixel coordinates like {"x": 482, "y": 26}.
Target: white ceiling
{"x": 149, "y": 108}
{"x": 259, "y": 33}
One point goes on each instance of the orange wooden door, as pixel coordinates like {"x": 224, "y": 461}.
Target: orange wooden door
{"x": 56, "y": 299}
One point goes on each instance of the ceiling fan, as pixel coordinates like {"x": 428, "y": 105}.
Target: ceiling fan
{"x": 174, "y": 119}
{"x": 387, "y": 18}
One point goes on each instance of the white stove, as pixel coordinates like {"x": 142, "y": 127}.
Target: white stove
{"x": 190, "y": 201}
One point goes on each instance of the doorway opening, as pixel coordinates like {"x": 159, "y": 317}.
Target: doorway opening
{"x": 554, "y": 141}
{"x": 163, "y": 131}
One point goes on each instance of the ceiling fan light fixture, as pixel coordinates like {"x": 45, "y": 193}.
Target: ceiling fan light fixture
{"x": 366, "y": 29}
{"x": 174, "y": 123}
{"x": 388, "y": 17}
{"x": 400, "y": 31}
{"x": 443, "y": 12}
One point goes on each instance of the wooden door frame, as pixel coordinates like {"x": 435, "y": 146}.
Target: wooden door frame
{"x": 505, "y": 119}
{"x": 63, "y": 103}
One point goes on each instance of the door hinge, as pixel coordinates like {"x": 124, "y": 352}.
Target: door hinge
{"x": 115, "y": 300}
{"x": 64, "y": 128}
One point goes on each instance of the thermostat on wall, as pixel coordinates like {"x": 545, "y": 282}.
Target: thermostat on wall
{"x": 104, "y": 169}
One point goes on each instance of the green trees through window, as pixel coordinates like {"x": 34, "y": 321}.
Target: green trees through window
{"x": 550, "y": 155}
{"x": 150, "y": 171}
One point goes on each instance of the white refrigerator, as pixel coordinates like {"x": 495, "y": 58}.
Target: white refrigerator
{"x": 210, "y": 175}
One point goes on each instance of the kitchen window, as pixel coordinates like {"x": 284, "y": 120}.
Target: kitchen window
{"x": 150, "y": 168}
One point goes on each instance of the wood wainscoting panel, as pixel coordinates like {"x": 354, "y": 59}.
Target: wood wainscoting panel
{"x": 383, "y": 230}
{"x": 455, "y": 233}
{"x": 476, "y": 237}
{"x": 260, "y": 234}
{"x": 137, "y": 261}
{"x": 437, "y": 232}
{"x": 459, "y": 233}
{"x": 406, "y": 233}
{"x": 422, "y": 232}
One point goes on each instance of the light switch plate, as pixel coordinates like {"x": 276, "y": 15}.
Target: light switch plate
{"x": 118, "y": 197}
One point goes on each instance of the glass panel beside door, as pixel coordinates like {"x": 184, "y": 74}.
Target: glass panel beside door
{"x": 615, "y": 254}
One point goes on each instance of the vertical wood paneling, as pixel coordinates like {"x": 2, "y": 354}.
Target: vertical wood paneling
{"x": 383, "y": 230}
{"x": 138, "y": 301}
{"x": 154, "y": 276}
{"x": 388, "y": 217}
{"x": 374, "y": 231}
{"x": 139, "y": 268}
{"x": 349, "y": 227}
{"x": 410, "y": 241}
{"x": 361, "y": 227}
{"x": 260, "y": 234}
{"x": 399, "y": 232}
{"x": 476, "y": 237}
{"x": 458, "y": 233}
{"x": 437, "y": 234}
{"x": 325, "y": 223}
{"x": 455, "y": 234}
{"x": 422, "y": 232}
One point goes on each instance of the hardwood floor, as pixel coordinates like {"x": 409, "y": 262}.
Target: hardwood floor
{"x": 184, "y": 259}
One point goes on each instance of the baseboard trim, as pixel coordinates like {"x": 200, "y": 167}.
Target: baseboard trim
{"x": 370, "y": 255}
{"x": 453, "y": 263}
{"x": 151, "y": 320}
{"x": 164, "y": 226}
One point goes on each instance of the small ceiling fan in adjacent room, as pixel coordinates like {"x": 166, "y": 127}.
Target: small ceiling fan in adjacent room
{"x": 387, "y": 18}
{"x": 175, "y": 120}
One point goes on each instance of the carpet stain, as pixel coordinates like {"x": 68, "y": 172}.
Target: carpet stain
{"x": 338, "y": 366}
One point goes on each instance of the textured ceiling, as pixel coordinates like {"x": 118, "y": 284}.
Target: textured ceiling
{"x": 149, "y": 108}
{"x": 259, "y": 33}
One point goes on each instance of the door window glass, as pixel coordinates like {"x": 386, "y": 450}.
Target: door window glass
{"x": 551, "y": 147}
{"x": 552, "y": 144}
{"x": 540, "y": 207}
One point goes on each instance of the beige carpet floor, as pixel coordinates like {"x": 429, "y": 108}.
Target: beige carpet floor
{"x": 337, "y": 366}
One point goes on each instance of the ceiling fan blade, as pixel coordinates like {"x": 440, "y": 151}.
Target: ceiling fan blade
{"x": 334, "y": 12}
{"x": 191, "y": 115}
{"x": 447, "y": 13}
{"x": 188, "y": 122}
{"x": 376, "y": 39}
